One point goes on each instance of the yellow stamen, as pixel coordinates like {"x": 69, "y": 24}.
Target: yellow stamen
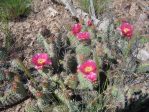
{"x": 126, "y": 30}
{"x": 41, "y": 61}
{"x": 88, "y": 69}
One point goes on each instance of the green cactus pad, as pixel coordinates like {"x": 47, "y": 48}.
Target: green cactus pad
{"x": 60, "y": 108}
{"x": 71, "y": 81}
{"x": 3, "y": 53}
{"x": 84, "y": 83}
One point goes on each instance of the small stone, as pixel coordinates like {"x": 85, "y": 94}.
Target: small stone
{"x": 18, "y": 108}
{"x": 104, "y": 25}
{"x": 143, "y": 17}
{"x": 142, "y": 55}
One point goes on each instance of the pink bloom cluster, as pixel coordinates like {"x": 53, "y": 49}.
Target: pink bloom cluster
{"x": 76, "y": 30}
{"x": 126, "y": 30}
{"x": 83, "y": 36}
{"x": 88, "y": 69}
{"x": 89, "y": 22}
{"x": 40, "y": 60}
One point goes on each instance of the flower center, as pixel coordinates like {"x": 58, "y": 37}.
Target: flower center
{"x": 126, "y": 30}
{"x": 41, "y": 61}
{"x": 88, "y": 69}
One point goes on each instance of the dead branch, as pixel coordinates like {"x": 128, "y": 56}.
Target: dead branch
{"x": 78, "y": 12}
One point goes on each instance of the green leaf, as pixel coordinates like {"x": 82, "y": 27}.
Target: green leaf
{"x": 144, "y": 40}
{"x": 118, "y": 94}
{"x": 60, "y": 108}
{"x": 11, "y": 9}
{"x": 84, "y": 83}
{"x": 85, "y": 50}
{"x": 1, "y": 75}
{"x": 3, "y": 53}
{"x": 42, "y": 40}
{"x": 143, "y": 68}
{"x": 74, "y": 42}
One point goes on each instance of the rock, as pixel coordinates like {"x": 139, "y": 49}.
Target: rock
{"x": 104, "y": 25}
{"x": 18, "y": 108}
{"x": 133, "y": 9}
{"x": 51, "y": 12}
{"x": 143, "y": 17}
{"x": 142, "y": 55}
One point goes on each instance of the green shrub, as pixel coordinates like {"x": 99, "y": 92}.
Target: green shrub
{"x": 12, "y": 9}
{"x": 99, "y": 5}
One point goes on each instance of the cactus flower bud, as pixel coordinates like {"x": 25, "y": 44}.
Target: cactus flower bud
{"x": 89, "y": 22}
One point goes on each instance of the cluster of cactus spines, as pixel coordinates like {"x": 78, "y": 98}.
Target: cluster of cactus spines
{"x": 60, "y": 108}
{"x": 42, "y": 101}
{"x": 70, "y": 63}
{"x": 3, "y": 53}
{"x": 83, "y": 53}
{"x": 71, "y": 81}
{"x": 72, "y": 40}
{"x": 32, "y": 107}
{"x": 51, "y": 49}
{"x": 2, "y": 76}
{"x": 16, "y": 93}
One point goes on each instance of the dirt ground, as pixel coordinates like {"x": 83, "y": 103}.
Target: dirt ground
{"x": 45, "y": 13}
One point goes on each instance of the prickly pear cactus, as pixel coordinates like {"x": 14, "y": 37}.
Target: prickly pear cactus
{"x": 3, "y": 53}
{"x": 71, "y": 81}
{"x": 1, "y": 76}
{"x": 51, "y": 49}
{"x": 32, "y": 107}
{"x": 73, "y": 41}
{"x": 60, "y": 108}
{"x": 84, "y": 83}
{"x": 83, "y": 53}
{"x": 143, "y": 68}
{"x": 119, "y": 96}
{"x": 10, "y": 99}
{"x": 43, "y": 104}
{"x": 70, "y": 63}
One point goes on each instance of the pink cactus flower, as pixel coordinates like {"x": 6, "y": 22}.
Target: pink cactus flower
{"x": 87, "y": 67}
{"x": 76, "y": 28}
{"x": 126, "y": 30}
{"x": 89, "y": 22}
{"x": 91, "y": 77}
{"x": 83, "y": 36}
{"x": 41, "y": 59}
